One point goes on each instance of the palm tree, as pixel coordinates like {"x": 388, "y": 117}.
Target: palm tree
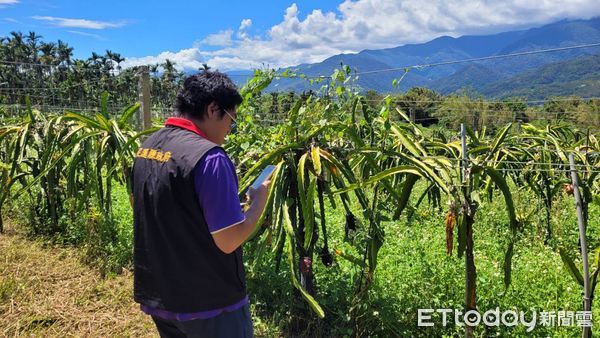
{"x": 64, "y": 53}
{"x": 17, "y": 45}
{"x": 4, "y": 50}
{"x": 16, "y": 53}
{"x": 168, "y": 82}
{"x": 48, "y": 50}
{"x": 33, "y": 49}
{"x": 33, "y": 44}
{"x": 63, "y": 59}
{"x": 48, "y": 57}
{"x": 114, "y": 57}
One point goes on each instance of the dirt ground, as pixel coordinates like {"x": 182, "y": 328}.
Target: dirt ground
{"x": 46, "y": 291}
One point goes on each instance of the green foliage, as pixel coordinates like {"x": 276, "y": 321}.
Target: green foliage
{"x": 77, "y": 81}
{"x": 66, "y": 166}
{"x": 353, "y": 180}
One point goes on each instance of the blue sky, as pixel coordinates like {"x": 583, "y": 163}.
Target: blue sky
{"x": 240, "y": 34}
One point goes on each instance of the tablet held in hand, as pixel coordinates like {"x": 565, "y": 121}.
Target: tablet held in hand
{"x": 264, "y": 175}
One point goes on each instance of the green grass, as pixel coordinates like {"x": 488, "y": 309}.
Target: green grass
{"x": 415, "y": 272}
{"x": 8, "y": 287}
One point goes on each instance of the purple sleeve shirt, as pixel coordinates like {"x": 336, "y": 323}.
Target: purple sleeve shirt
{"x": 217, "y": 190}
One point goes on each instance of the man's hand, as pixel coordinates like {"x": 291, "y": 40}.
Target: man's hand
{"x": 259, "y": 195}
{"x": 231, "y": 238}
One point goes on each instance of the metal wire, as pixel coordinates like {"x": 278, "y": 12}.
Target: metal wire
{"x": 491, "y": 57}
{"x": 547, "y": 170}
{"x": 72, "y": 67}
{"x": 404, "y": 68}
{"x": 540, "y": 163}
{"x": 490, "y": 102}
{"x": 86, "y": 82}
{"x": 439, "y": 113}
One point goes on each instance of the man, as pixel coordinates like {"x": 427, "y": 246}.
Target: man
{"x": 188, "y": 224}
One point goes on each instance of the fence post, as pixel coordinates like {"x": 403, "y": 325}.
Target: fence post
{"x": 144, "y": 114}
{"x": 584, "y": 256}
{"x": 468, "y": 212}
{"x": 463, "y": 142}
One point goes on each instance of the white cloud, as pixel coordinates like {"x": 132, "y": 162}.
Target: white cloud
{"x": 6, "y": 3}
{"x": 95, "y": 36}
{"x": 372, "y": 24}
{"x": 242, "y": 34}
{"x": 80, "y": 23}
{"x": 11, "y": 20}
{"x": 245, "y": 24}
{"x": 221, "y": 39}
{"x": 184, "y": 59}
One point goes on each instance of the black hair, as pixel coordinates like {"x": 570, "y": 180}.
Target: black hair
{"x": 199, "y": 90}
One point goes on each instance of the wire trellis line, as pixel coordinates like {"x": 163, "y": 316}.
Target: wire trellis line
{"x": 542, "y": 163}
{"x": 394, "y": 69}
{"x": 444, "y": 63}
{"x": 259, "y": 118}
{"x": 547, "y": 170}
{"x": 490, "y": 57}
{"x": 393, "y": 101}
{"x": 526, "y": 164}
{"x": 72, "y": 67}
{"x": 558, "y": 99}
{"x": 53, "y": 88}
{"x": 440, "y": 113}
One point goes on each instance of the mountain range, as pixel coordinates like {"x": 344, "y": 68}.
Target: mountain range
{"x": 568, "y": 72}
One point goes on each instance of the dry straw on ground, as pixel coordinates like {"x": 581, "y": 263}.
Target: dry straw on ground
{"x": 47, "y": 292}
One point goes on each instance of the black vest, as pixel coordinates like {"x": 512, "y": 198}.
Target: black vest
{"x": 177, "y": 265}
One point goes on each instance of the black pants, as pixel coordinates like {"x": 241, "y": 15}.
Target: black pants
{"x": 236, "y": 324}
